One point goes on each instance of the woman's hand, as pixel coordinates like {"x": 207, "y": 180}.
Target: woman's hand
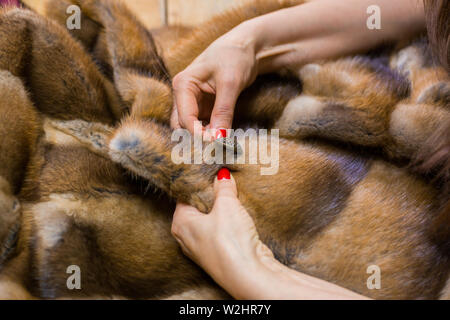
{"x": 289, "y": 38}
{"x": 223, "y": 240}
{"x": 209, "y": 87}
{"x": 226, "y": 245}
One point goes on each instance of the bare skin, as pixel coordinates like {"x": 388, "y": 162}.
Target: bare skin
{"x": 225, "y": 242}
{"x": 321, "y": 29}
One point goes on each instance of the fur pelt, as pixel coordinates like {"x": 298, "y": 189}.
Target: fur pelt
{"x": 86, "y": 177}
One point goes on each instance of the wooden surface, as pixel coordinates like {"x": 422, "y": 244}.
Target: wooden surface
{"x": 192, "y": 12}
{"x": 187, "y": 12}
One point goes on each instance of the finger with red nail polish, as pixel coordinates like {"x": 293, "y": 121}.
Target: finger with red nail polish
{"x": 221, "y": 133}
{"x": 223, "y": 173}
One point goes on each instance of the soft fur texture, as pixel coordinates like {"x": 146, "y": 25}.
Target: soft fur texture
{"x": 93, "y": 141}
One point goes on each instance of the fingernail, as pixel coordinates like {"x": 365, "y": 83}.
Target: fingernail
{"x": 223, "y": 173}
{"x": 221, "y": 133}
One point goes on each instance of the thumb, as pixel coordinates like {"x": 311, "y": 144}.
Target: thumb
{"x": 223, "y": 111}
{"x": 174, "y": 120}
{"x": 225, "y": 185}
{"x": 184, "y": 217}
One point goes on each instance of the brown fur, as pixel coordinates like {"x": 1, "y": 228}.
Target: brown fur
{"x": 329, "y": 212}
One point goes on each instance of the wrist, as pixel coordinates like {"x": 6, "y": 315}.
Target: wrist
{"x": 250, "y": 280}
{"x": 248, "y": 275}
{"x": 250, "y": 36}
{"x": 245, "y": 36}
{"x": 234, "y": 261}
{"x": 263, "y": 279}
{"x": 255, "y": 30}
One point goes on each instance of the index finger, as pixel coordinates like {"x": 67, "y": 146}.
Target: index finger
{"x": 187, "y": 106}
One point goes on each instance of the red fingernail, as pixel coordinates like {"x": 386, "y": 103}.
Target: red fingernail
{"x": 221, "y": 133}
{"x": 223, "y": 173}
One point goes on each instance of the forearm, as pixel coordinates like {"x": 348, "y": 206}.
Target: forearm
{"x": 323, "y": 29}
{"x": 268, "y": 279}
